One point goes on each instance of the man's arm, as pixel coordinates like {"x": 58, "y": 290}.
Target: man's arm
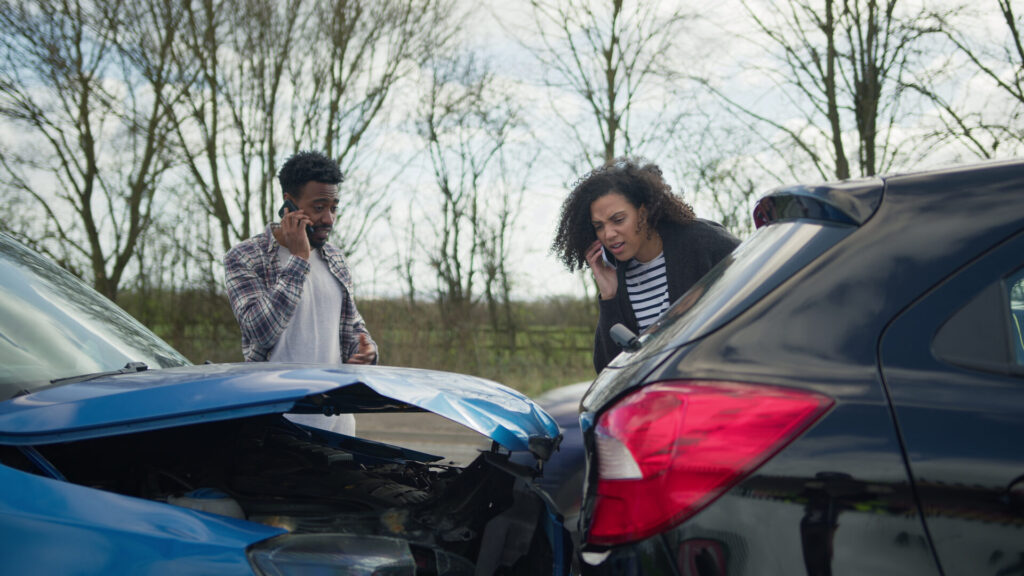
{"x": 357, "y": 346}
{"x": 262, "y": 311}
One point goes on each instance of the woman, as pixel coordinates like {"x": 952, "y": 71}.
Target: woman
{"x": 643, "y": 244}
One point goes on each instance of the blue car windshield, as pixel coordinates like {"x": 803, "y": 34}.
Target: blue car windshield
{"x": 52, "y": 326}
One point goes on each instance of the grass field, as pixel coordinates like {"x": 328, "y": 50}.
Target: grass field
{"x": 546, "y": 345}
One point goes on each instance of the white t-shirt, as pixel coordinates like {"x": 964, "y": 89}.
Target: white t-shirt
{"x": 312, "y": 334}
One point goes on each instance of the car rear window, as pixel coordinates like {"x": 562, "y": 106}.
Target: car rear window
{"x": 1016, "y": 288}
{"x": 758, "y": 265}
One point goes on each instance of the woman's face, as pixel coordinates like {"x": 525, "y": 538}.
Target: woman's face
{"x": 621, "y": 227}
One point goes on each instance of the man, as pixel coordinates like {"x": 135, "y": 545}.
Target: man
{"x": 291, "y": 290}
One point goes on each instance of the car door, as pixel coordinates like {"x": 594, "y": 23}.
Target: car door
{"x": 952, "y": 364}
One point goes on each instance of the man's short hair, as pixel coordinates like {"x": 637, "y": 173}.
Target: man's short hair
{"x": 308, "y": 166}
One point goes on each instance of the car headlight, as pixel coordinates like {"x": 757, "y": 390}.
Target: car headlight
{"x": 350, "y": 555}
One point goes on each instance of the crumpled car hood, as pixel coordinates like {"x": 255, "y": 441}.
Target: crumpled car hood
{"x": 155, "y": 399}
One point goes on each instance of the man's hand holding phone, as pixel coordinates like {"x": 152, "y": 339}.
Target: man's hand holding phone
{"x": 604, "y": 270}
{"x": 295, "y": 229}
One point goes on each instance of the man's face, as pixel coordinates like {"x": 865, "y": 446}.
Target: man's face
{"x": 319, "y": 202}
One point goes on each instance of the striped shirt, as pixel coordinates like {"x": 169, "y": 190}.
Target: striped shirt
{"x": 647, "y": 286}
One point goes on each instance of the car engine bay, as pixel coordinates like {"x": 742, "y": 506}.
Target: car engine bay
{"x": 269, "y": 470}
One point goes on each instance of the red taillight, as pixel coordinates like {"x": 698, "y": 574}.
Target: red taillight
{"x": 669, "y": 449}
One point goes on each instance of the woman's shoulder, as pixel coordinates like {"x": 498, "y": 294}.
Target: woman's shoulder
{"x": 697, "y": 245}
{"x": 698, "y": 229}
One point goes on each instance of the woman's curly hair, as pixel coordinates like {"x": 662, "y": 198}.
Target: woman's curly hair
{"x": 639, "y": 181}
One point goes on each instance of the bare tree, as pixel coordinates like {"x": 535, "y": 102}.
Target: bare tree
{"x": 354, "y": 54}
{"x": 718, "y": 176}
{"x": 268, "y": 79}
{"x": 496, "y": 229}
{"x": 466, "y": 124}
{"x": 616, "y": 58}
{"x": 978, "y": 86}
{"x": 406, "y": 257}
{"x": 234, "y": 59}
{"x": 835, "y": 67}
{"x": 91, "y": 84}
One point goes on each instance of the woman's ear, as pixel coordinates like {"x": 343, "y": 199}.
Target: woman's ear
{"x": 642, "y": 224}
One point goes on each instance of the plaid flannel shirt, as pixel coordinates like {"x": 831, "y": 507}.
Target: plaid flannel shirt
{"x": 264, "y": 295}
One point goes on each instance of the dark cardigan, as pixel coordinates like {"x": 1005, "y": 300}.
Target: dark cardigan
{"x": 691, "y": 249}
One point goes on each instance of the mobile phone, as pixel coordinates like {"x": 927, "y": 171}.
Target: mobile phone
{"x": 608, "y": 258}
{"x": 292, "y": 208}
{"x": 287, "y": 204}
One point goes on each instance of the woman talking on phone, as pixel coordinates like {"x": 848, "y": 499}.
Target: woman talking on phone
{"x": 644, "y": 245}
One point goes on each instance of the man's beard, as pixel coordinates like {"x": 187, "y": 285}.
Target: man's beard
{"x": 313, "y": 242}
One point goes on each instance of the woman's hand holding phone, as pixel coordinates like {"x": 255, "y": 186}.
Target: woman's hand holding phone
{"x": 604, "y": 273}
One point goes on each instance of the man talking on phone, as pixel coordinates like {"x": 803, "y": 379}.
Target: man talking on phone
{"x": 291, "y": 290}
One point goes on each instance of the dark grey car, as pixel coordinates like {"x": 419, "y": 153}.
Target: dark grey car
{"x": 844, "y": 394}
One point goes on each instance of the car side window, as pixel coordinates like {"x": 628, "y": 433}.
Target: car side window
{"x": 1015, "y": 287}
{"x": 987, "y": 332}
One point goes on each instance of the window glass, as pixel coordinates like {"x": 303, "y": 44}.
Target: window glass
{"x": 769, "y": 257}
{"x": 1016, "y": 289}
{"x": 54, "y": 326}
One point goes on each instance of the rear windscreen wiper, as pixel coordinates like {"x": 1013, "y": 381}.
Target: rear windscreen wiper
{"x": 129, "y": 368}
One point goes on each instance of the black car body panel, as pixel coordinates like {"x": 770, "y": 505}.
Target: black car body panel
{"x": 730, "y": 288}
{"x": 917, "y": 468}
{"x": 961, "y": 422}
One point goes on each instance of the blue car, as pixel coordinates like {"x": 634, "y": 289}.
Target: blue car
{"x": 117, "y": 456}
{"x": 565, "y": 470}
